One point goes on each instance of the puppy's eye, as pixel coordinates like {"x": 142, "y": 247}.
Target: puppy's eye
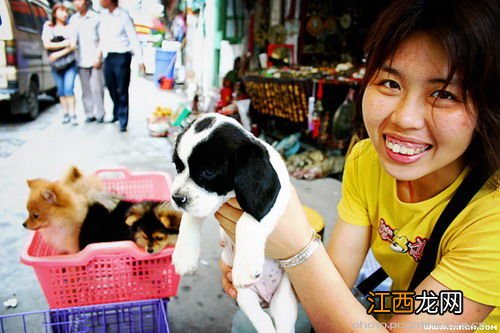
{"x": 159, "y": 238}
{"x": 208, "y": 173}
{"x": 35, "y": 215}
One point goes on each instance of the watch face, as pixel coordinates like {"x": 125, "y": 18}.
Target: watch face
{"x": 314, "y": 25}
{"x": 345, "y": 21}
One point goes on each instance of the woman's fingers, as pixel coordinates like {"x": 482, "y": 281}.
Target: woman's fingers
{"x": 228, "y": 215}
{"x": 234, "y": 203}
{"x": 226, "y": 224}
{"x": 226, "y": 280}
{"x": 231, "y": 210}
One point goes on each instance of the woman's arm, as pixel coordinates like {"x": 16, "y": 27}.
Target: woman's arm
{"x": 326, "y": 298}
{"x": 473, "y": 313}
{"x": 347, "y": 249}
{"x": 320, "y": 284}
{"x": 58, "y": 54}
{"x": 54, "y": 46}
{"x": 331, "y": 307}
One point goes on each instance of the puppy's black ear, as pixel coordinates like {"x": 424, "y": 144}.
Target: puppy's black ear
{"x": 256, "y": 183}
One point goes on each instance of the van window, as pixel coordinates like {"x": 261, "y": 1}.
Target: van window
{"x": 22, "y": 15}
{"x": 40, "y": 15}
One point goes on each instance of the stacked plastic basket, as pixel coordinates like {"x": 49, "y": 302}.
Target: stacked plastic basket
{"x": 148, "y": 316}
{"x": 117, "y": 272}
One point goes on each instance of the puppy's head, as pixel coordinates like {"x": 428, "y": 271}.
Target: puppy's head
{"x": 51, "y": 204}
{"x": 153, "y": 225}
{"x": 216, "y": 158}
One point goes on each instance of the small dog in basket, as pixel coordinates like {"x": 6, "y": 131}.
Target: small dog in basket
{"x": 216, "y": 159}
{"x": 91, "y": 187}
{"x": 153, "y": 225}
{"x": 74, "y": 212}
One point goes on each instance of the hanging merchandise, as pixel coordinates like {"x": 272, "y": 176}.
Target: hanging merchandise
{"x": 277, "y": 34}
{"x": 310, "y": 108}
{"x": 318, "y": 111}
{"x": 345, "y": 21}
{"x": 342, "y": 121}
{"x": 314, "y": 26}
{"x": 292, "y": 24}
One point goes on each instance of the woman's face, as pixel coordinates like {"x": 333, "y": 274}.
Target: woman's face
{"x": 418, "y": 127}
{"x": 62, "y": 15}
{"x": 105, "y": 3}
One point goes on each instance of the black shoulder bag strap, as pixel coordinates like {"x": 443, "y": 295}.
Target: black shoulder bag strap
{"x": 469, "y": 187}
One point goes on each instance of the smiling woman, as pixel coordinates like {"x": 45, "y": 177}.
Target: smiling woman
{"x": 431, "y": 108}
{"x": 419, "y": 125}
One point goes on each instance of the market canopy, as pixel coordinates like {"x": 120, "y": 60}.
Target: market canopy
{"x": 146, "y": 25}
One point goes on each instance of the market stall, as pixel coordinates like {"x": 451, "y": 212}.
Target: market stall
{"x": 303, "y": 99}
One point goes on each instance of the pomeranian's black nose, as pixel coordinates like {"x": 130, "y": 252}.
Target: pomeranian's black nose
{"x": 150, "y": 250}
{"x": 180, "y": 200}
{"x": 25, "y": 224}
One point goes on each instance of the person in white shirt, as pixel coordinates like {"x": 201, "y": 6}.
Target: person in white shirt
{"x": 85, "y": 23}
{"x": 118, "y": 40}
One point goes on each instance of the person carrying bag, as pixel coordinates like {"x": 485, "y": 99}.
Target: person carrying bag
{"x": 65, "y": 61}
{"x": 60, "y": 42}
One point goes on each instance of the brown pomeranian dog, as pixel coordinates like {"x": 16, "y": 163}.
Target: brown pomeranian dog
{"x": 90, "y": 186}
{"x": 57, "y": 212}
{"x": 75, "y": 212}
{"x": 153, "y": 225}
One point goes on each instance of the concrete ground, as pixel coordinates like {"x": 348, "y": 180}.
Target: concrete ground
{"x": 45, "y": 148}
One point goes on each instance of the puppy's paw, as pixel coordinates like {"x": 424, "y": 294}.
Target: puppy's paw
{"x": 246, "y": 272}
{"x": 185, "y": 262}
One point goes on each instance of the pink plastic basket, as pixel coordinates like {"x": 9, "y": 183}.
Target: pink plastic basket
{"x": 107, "y": 272}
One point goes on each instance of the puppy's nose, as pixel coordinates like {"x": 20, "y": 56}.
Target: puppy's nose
{"x": 25, "y": 224}
{"x": 150, "y": 250}
{"x": 179, "y": 199}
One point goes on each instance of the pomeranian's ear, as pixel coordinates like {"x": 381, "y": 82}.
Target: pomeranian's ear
{"x": 72, "y": 175}
{"x": 167, "y": 215}
{"x": 175, "y": 218}
{"x": 135, "y": 212}
{"x": 49, "y": 195}
{"x": 131, "y": 219}
{"x": 33, "y": 182}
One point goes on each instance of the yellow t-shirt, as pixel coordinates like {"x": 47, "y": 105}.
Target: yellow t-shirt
{"x": 469, "y": 254}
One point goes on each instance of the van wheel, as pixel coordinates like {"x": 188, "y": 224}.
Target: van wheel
{"x": 31, "y": 105}
{"x": 27, "y": 104}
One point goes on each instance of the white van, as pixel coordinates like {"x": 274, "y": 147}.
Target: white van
{"x": 24, "y": 66}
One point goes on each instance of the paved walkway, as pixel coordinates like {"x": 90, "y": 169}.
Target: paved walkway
{"x": 45, "y": 148}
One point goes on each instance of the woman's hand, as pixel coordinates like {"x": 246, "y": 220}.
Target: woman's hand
{"x": 226, "y": 280}
{"x": 58, "y": 54}
{"x": 53, "y": 57}
{"x": 291, "y": 234}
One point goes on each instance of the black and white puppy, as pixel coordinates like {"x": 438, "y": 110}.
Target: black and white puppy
{"x": 217, "y": 159}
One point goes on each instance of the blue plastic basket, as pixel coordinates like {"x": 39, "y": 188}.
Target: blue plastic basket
{"x": 131, "y": 317}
